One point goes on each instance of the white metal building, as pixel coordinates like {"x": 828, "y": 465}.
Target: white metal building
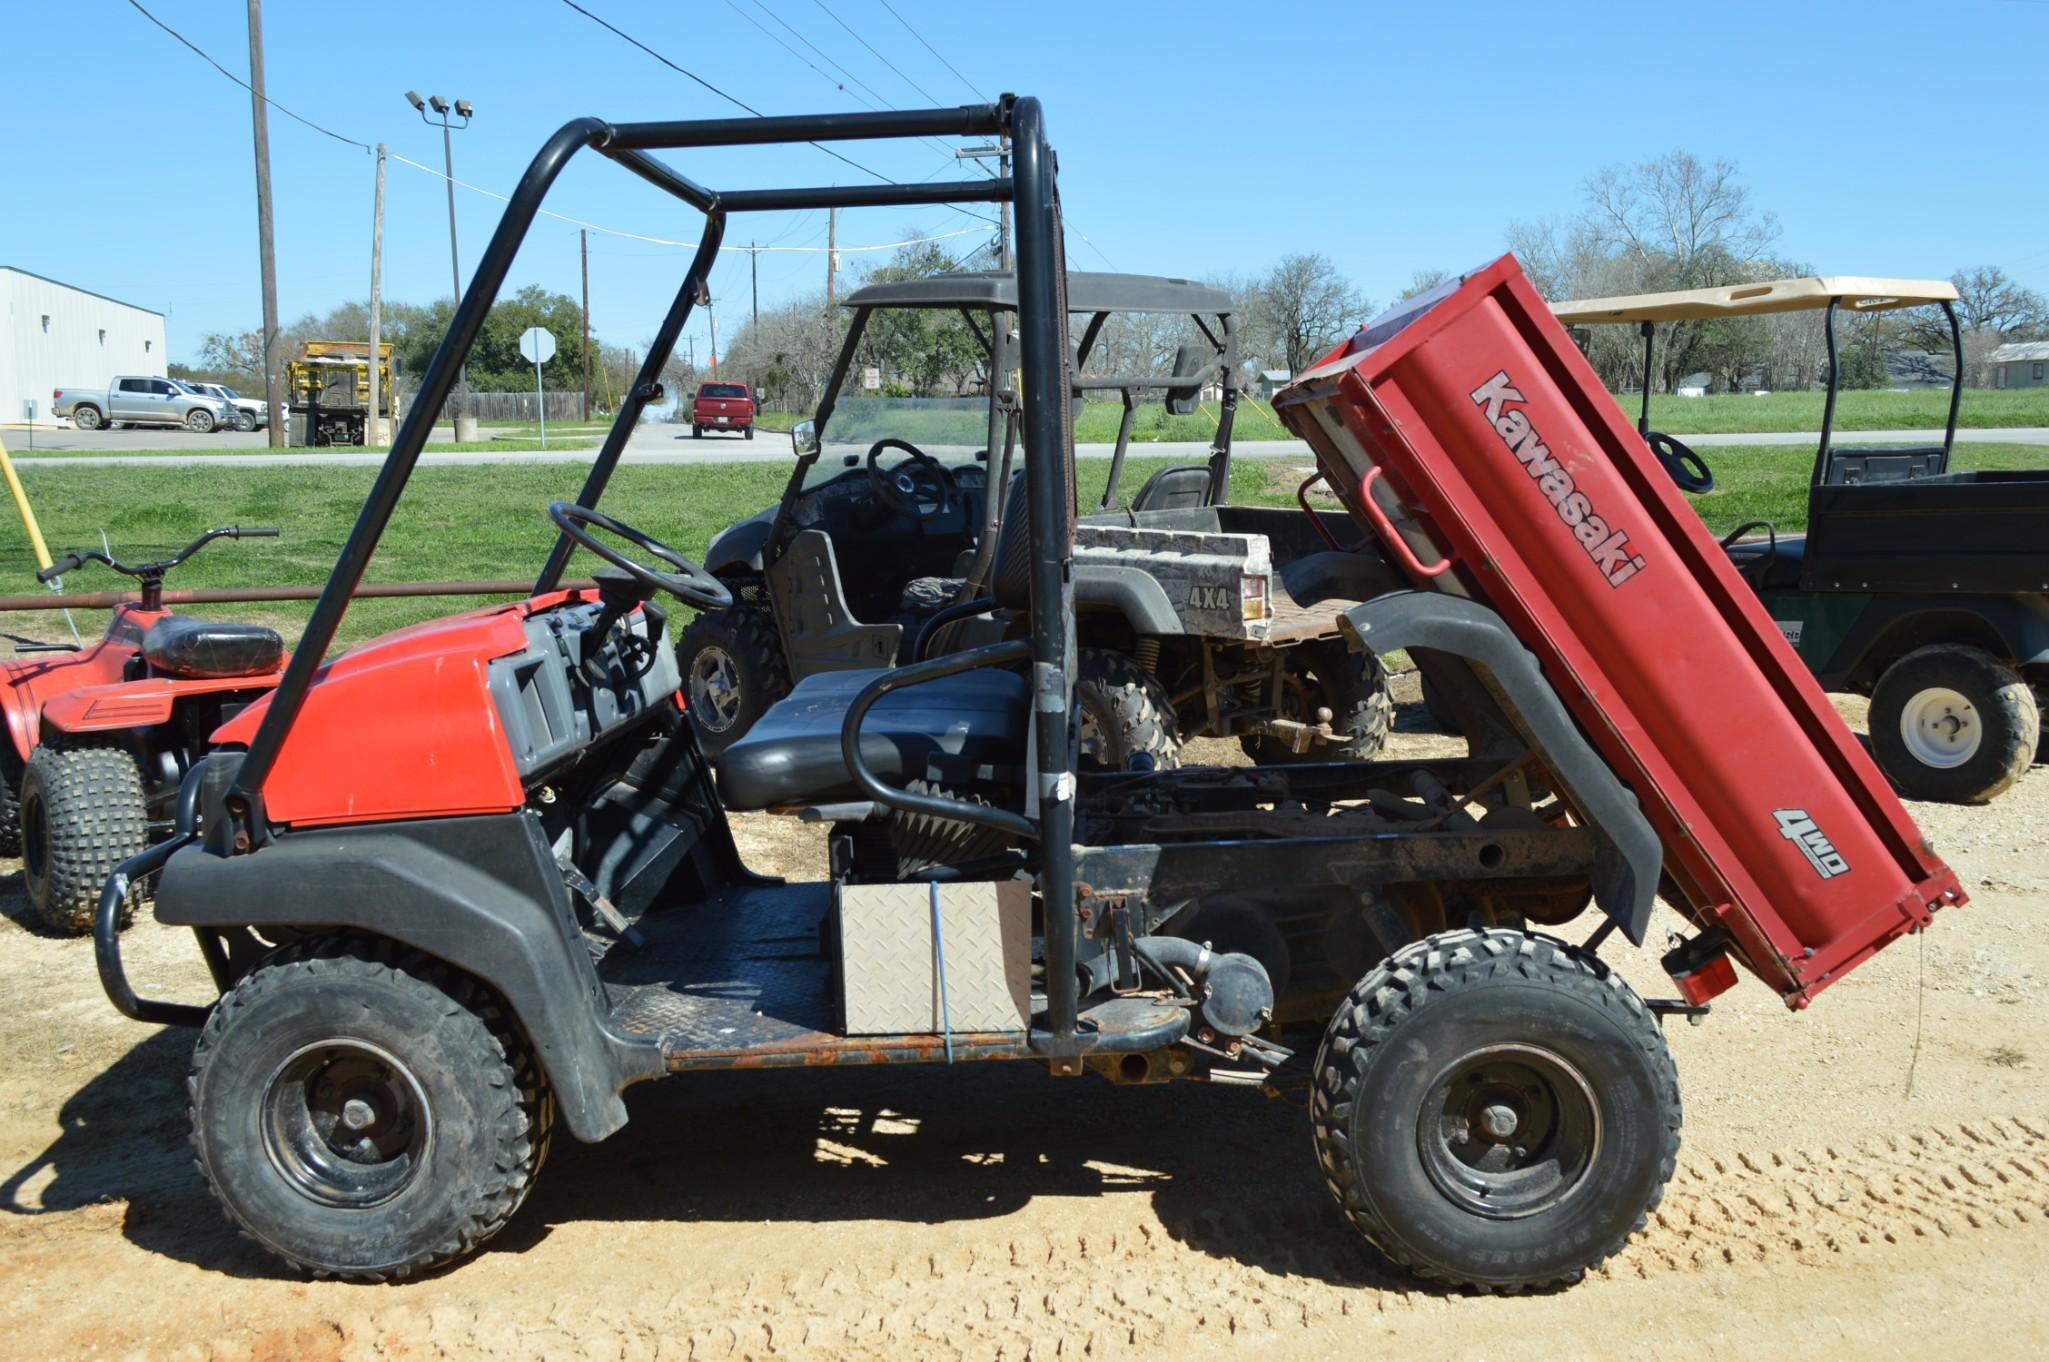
{"x": 55, "y": 336}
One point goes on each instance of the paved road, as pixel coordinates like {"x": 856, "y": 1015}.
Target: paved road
{"x": 661, "y": 444}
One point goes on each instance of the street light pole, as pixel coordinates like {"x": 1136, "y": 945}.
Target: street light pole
{"x": 463, "y": 109}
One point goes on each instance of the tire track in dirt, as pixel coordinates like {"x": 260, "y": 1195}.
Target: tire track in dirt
{"x": 1118, "y": 1290}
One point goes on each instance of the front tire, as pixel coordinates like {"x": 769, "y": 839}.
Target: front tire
{"x": 1495, "y": 1109}
{"x": 1126, "y": 714}
{"x": 1352, "y": 686}
{"x": 82, "y": 814}
{"x": 199, "y": 421}
{"x": 362, "y": 1111}
{"x": 245, "y": 421}
{"x": 1953, "y": 723}
{"x": 733, "y": 669}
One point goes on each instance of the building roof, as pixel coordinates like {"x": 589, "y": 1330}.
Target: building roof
{"x": 1857, "y": 293}
{"x": 16, "y": 269}
{"x": 2019, "y": 351}
{"x": 1086, "y": 292}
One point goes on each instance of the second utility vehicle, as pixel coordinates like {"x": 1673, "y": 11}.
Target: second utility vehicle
{"x": 902, "y": 529}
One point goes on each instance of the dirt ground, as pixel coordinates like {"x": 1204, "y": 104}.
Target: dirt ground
{"x": 1869, "y": 1179}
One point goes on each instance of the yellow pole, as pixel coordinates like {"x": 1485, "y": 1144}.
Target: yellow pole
{"x": 28, "y": 517}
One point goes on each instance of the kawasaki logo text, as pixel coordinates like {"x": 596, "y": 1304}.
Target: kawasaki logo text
{"x": 1607, "y": 546}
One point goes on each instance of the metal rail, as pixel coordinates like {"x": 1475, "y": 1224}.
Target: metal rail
{"x": 242, "y": 595}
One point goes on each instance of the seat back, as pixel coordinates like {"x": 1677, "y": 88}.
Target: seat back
{"x": 1885, "y": 464}
{"x": 1174, "y": 489}
{"x": 1010, "y": 572}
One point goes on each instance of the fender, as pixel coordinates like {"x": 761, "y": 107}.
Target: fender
{"x": 738, "y": 548}
{"x": 2013, "y": 627}
{"x": 137, "y": 704}
{"x": 1132, "y": 592}
{"x": 482, "y": 894}
{"x": 1626, "y": 875}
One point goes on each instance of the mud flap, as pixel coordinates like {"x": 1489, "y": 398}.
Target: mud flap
{"x": 1626, "y": 873}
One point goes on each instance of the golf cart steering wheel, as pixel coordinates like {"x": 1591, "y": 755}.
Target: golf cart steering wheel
{"x": 905, "y": 487}
{"x": 689, "y": 584}
{"x": 1687, "y": 468}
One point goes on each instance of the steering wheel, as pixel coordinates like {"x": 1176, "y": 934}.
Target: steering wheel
{"x": 1687, "y": 468}
{"x": 689, "y": 584}
{"x": 918, "y": 487}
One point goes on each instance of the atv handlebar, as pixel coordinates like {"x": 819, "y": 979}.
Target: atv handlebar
{"x": 156, "y": 570}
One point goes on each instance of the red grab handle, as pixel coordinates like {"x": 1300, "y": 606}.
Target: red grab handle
{"x": 1392, "y": 535}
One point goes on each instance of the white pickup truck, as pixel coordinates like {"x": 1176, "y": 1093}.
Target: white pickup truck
{"x": 141, "y": 400}
{"x": 248, "y": 412}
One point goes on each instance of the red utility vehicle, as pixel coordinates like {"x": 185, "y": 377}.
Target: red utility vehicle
{"x": 99, "y": 737}
{"x": 722, "y": 406}
{"x": 477, "y": 876}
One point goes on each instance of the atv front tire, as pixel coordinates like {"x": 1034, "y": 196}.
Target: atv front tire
{"x": 733, "y": 669}
{"x": 1953, "y": 723}
{"x": 10, "y": 806}
{"x": 1352, "y": 686}
{"x": 362, "y": 1111}
{"x": 82, "y": 814}
{"x": 1127, "y": 716}
{"x": 1495, "y": 1109}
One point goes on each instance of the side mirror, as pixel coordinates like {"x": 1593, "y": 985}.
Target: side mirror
{"x": 804, "y": 438}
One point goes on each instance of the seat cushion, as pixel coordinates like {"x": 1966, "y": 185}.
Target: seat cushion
{"x": 943, "y": 728}
{"x": 182, "y": 646}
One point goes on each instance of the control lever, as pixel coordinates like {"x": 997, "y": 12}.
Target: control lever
{"x": 608, "y": 912}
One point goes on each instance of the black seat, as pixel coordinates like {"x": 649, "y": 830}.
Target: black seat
{"x": 182, "y": 646}
{"x": 1174, "y": 489}
{"x": 946, "y": 729}
{"x": 1770, "y": 567}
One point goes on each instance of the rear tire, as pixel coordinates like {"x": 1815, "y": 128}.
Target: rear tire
{"x": 733, "y": 669}
{"x": 1125, "y": 713}
{"x": 10, "y": 805}
{"x": 1353, "y": 687}
{"x": 697, "y": 432}
{"x": 1496, "y": 1109}
{"x": 82, "y": 814}
{"x": 748, "y": 433}
{"x": 87, "y": 417}
{"x": 1953, "y": 723}
{"x": 200, "y": 421}
{"x": 362, "y": 1111}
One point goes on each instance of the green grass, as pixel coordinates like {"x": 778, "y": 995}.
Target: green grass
{"x": 490, "y": 522}
{"x": 1731, "y": 413}
{"x": 443, "y": 447}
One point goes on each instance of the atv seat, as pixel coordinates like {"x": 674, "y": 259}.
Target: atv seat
{"x": 956, "y": 730}
{"x": 181, "y": 646}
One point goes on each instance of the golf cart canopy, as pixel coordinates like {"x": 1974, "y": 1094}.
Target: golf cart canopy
{"x": 997, "y": 289}
{"x": 1807, "y": 294}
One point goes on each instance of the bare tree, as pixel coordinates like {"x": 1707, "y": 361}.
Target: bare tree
{"x": 1678, "y": 217}
{"x": 1991, "y": 310}
{"x": 1306, "y": 306}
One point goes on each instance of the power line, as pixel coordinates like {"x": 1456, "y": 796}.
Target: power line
{"x": 929, "y": 96}
{"x": 934, "y": 51}
{"x": 820, "y": 51}
{"x": 203, "y": 56}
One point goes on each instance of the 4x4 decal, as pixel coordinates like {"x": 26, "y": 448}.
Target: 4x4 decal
{"x": 1607, "y": 546}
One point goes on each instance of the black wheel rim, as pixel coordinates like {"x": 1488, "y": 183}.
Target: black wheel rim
{"x": 715, "y": 697}
{"x": 346, "y": 1123}
{"x": 1510, "y": 1131}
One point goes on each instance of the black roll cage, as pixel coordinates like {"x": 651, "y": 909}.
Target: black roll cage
{"x": 1043, "y": 359}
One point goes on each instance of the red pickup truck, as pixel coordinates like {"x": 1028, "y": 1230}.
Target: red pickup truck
{"x": 722, "y": 406}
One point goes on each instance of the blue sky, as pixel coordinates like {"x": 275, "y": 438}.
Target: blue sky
{"x": 1889, "y": 139}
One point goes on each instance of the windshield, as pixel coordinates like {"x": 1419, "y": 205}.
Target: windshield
{"x": 227, "y": 392}
{"x": 952, "y": 430}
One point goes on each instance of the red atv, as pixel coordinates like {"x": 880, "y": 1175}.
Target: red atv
{"x": 100, "y": 737}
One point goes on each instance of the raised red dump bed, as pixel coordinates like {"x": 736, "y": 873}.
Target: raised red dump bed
{"x": 1474, "y": 437}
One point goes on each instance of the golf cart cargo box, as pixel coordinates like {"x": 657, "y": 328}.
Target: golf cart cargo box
{"x": 1475, "y": 437}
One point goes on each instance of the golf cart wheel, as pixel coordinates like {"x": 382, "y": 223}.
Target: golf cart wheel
{"x": 1953, "y": 723}
{"x": 1495, "y": 1109}
{"x": 364, "y": 1112}
{"x": 1352, "y": 686}
{"x": 733, "y": 670}
{"x": 1127, "y": 716}
{"x": 199, "y": 421}
{"x": 82, "y": 814}
{"x": 87, "y": 418}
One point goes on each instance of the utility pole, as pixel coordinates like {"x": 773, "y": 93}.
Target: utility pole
{"x": 714, "y": 317}
{"x": 754, "y": 277}
{"x": 373, "y": 423}
{"x": 584, "y": 237}
{"x": 463, "y": 109}
{"x": 832, "y": 254}
{"x": 266, "y": 247}
{"x": 1001, "y": 151}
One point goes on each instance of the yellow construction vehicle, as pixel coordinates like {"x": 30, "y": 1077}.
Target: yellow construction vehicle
{"x": 327, "y": 391}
